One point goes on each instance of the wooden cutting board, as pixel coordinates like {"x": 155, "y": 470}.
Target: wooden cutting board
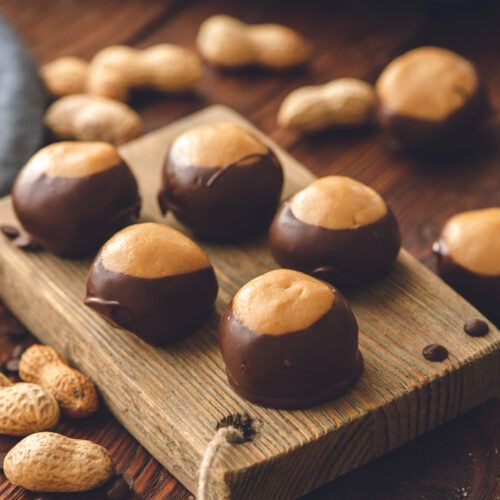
{"x": 170, "y": 399}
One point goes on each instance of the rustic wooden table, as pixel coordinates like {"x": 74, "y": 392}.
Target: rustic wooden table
{"x": 356, "y": 39}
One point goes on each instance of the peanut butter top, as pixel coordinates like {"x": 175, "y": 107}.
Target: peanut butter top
{"x": 152, "y": 250}
{"x": 472, "y": 240}
{"x": 428, "y": 83}
{"x": 215, "y": 145}
{"x": 337, "y": 202}
{"x": 72, "y": 159}
{"x": 282, "y": 301}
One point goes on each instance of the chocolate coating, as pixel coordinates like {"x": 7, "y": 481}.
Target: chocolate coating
{"x": 343, "y": 257}
{"x": 223, "y": 202}
{"x": 480, "y": 290}
{"x": 70, "y": 210}
{"x": 158, "y": 309}
{"x": 431, "y": 99}
{"x": 295, "y": 369}
{"x": 435, "y": 352}
{"x": 468, "y": 258}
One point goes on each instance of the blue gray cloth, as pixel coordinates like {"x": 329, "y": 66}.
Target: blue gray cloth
{"x": 22, "y": 104}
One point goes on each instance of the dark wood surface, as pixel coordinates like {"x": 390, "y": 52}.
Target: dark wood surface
{"x": 459, "y": 460}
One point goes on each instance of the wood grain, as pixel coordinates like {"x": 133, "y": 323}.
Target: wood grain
{"x": 170, "y": 399}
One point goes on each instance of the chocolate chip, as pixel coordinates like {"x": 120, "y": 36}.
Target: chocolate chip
{"x": 435, "y": 352}
{"x": 10, "y": 231}
{"x": 12, "y": 365}
{"x": 129, "y": 480}
{"x": 26, "y": 243}
{"x": 476, "y": 328}
{"x": 17, "y": 351}
{"x": 11, "y": 326}
{"x": 118, "y": 489}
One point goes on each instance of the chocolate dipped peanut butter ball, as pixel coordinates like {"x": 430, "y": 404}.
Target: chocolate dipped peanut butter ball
{"x": 430, "y": 99}
{"x": 71, "y": 196}
{"x": 290, "y": 341}
{"x": 153, "y": 281}
{"x": 468, "y": 258}
{"x": 221, "y": 181}
{"x": 336, "y": 229}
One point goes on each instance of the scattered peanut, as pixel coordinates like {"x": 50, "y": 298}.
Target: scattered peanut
{"x": 25, "y": 408}
{"x": 115, "y": 70}
{"x": 65, "y": 76}
{"x": 93, "y": 118}
{"x": 227, "y": 42}
{"x": 74, "y": 392}
{"x": 345, "y": 102}
{"x": 50, "y": 462}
